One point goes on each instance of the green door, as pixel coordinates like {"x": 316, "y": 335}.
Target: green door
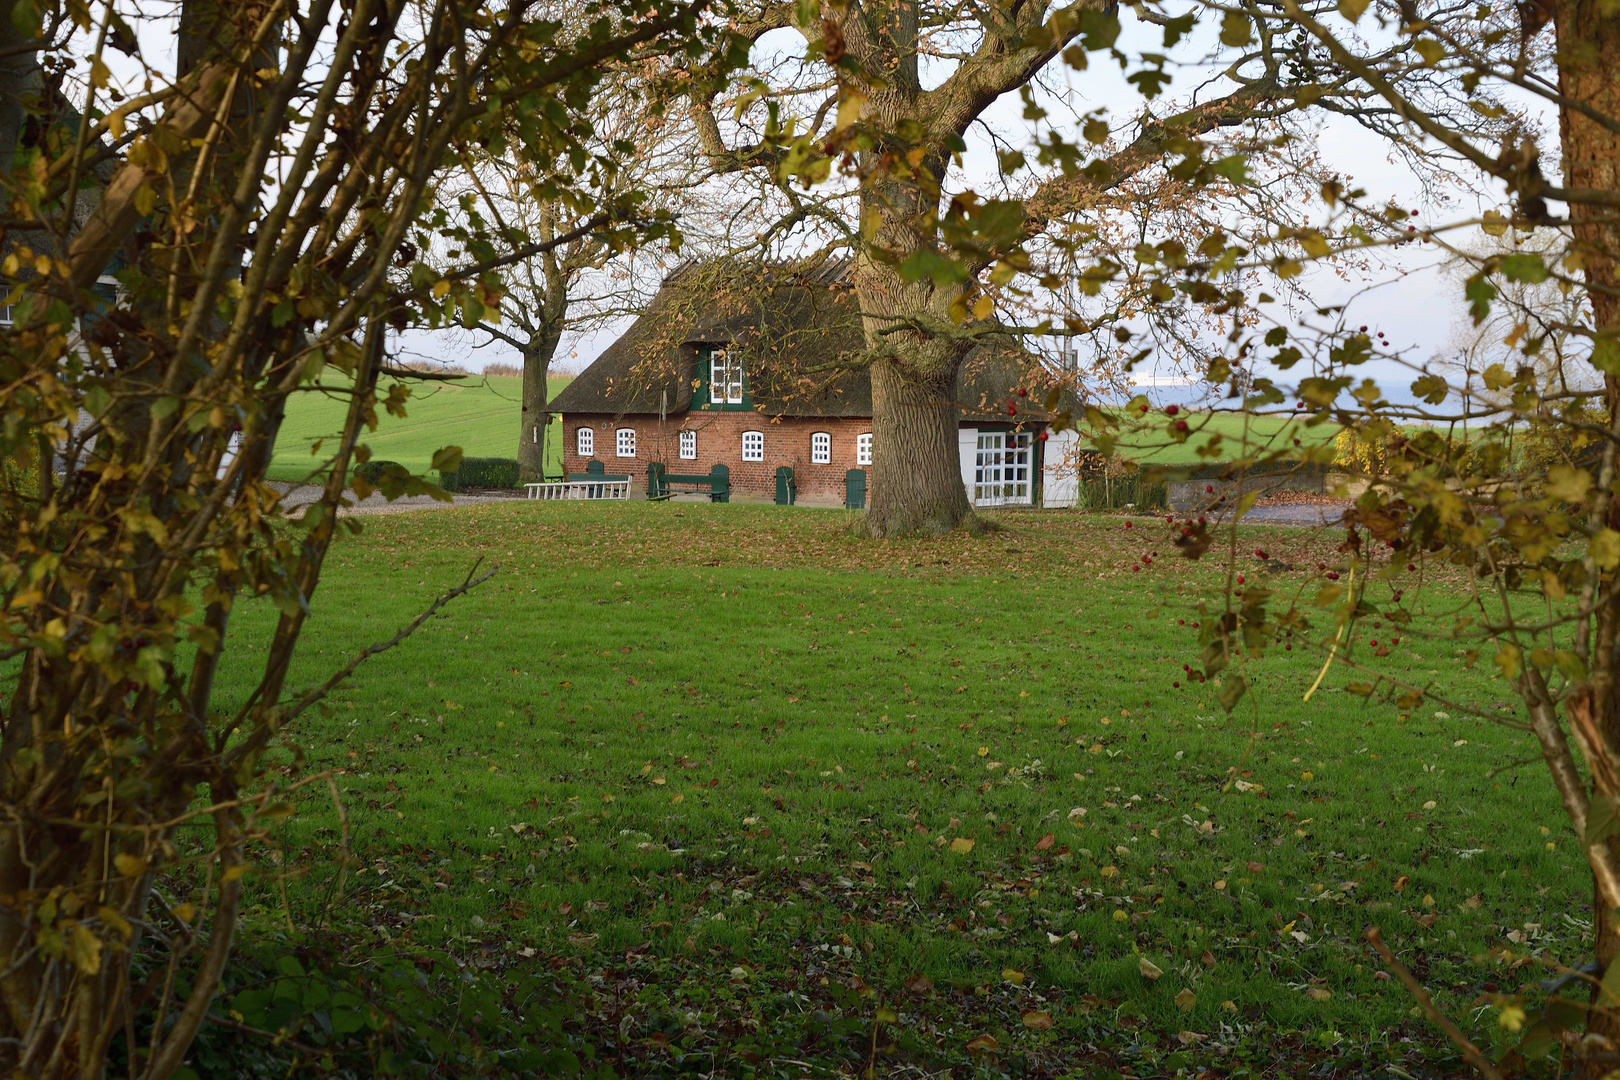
{"x": 786, "y": 489}
{"x": 855, "y": 489}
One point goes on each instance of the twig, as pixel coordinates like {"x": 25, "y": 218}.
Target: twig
{"x": 383, "y": 646}
{"x": 1475, "y": 1058}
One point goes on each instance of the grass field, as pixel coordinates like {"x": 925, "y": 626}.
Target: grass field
{"x": 1254, "y": 433}
{"x": 754, "y": 780}
{"x": 480, "y": 414}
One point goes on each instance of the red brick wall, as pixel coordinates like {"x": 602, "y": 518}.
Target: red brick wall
{"x": 719, "y": 442}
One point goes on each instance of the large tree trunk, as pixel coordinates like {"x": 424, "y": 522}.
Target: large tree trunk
{"x": 1589, "y": 72}
{"x": 531, "y": 453}
{"x": 916, "y": 475}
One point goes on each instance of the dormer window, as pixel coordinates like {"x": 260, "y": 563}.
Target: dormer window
{"x": 725, "y": 378}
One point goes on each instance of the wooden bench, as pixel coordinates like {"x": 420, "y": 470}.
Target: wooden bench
{"x": 663, "y": 484}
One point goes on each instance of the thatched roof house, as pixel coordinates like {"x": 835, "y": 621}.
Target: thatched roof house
{"x": 760, "y": 368}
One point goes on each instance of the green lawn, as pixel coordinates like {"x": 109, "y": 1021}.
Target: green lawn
{"x": 753, "y": 780}
{"x": 480, "y": 414}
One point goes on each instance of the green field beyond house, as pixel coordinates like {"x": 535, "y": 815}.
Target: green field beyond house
{"x": 479, "y": 413}
{"x": 787, "y": 803}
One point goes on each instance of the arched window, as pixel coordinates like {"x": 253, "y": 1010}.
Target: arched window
{"x": 585, "y": 442}
{"x": 688, "y": 445}
{"x": 627, "y": 442}
{"x": 863, "y": 449}
{"x": 821, "y": 448}
{"x": 753, "y": 448}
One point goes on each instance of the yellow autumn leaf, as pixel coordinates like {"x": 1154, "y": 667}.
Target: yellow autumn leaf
{"x": 84, "y": 949}
{"x": 850, "y": 103}
{"x": 1186, "y": 1000}
{"x": 1605, "y": 549}
{"x": 962, "y": 845}
{"x": 232, "y": 873}
{"x": 1012, "y": 975}
{"x": 441, "y": 288}
{"x": 129, "y": 865}
{"x": 1568, "y": 483}
{"x": 184, "y": 912}
{"x": 1148, "y": 968}
{"x": 984, "y": 751}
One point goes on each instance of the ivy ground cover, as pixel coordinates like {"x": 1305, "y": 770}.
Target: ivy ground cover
{"x": 783, "y": 802}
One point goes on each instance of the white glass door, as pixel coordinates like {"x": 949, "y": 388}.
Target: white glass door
{"x": 1001, "y": 469}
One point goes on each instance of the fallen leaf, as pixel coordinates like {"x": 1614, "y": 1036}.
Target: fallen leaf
{"x": 1220, "y": 885}
{"x": 1473, "y": 902}
{"x": 984, "y": 751}
{"x": 1108, "y": 872}
{"x": 982, "y": 1044}
{"x": 1013, "y": 975}
{"x": 1318, "y": 993}
{"x": 1037, "y": 1021}
{"x": 1400, "y": 883}
{"x": 962, "y": 845}
{"x": 1256, "y": 868}
{"x": 1207, "y": 959}
{"x": 920, "y": 984}
{"x": 1044, "y": 842}
{"x": 1189, "y": 1038}
{"x": 1148, "y": 968}
{"x": 1185, "y": 1000}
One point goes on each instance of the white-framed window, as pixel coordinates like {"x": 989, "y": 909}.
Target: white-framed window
{"x": 585, "y": 442}
{"x": 688, "y": 445}
{"x": 753, "y": 446}
{"x": 863, "y": 449}
{"x": 626, "y": 442}
{"x": 1001, "y": 469}
{"x": 821, "y": 448}
{"x": 725, "y": 379}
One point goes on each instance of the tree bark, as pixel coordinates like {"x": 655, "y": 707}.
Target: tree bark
{"x": 534, "y": 419}
{"x": 1589, "y": 72}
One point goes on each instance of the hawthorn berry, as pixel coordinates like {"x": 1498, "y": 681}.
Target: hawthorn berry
{"x": 1333, "y": 575}
{"x": 1240, "y": 579}
{"x": 1181, "y": 425}
{"x": 1127, "y": 524}
{"x": 1022, "y": 392}
{"x": 1171, "y": 410}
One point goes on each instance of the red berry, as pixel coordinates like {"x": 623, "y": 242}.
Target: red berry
{"x": 1394, "y": 641}
{"x": 1127, "y": 524}
{"x": 1181, "y": 425}
{"x": 1288, "y": 648}
{"x": 1022, "y": 392}
{"x": 1333, "y": 575}
{"x": 1299, "y": 404}
{"x": 1134, "y": 569}
{"x": 1171, "y": 410}
{"x": 1411, "y": 566}
{"x": 1043, "y": 436}
{"x": 1363, "y": 330}
{"x": 1240, "y": 579}
{"x": 1012, "y": 410}
{"x": 1176, "y": 685}
{"x": 1209, "y": 489}
{"x": 1181, "y": 622}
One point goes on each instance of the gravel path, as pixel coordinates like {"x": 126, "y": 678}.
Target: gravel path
{"x": 297, "y": 495}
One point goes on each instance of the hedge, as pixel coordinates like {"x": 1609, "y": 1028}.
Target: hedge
{"x": 481, "y": 472}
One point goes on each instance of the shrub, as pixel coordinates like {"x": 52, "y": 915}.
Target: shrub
{"x": 1106, "y": 492}
{"x": 481, "y": 472}
{"x": 371, "y": 470}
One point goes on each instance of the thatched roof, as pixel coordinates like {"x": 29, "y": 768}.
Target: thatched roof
{"x": 793, "y": 330}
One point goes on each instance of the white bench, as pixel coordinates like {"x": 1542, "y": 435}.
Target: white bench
{"x": 579, "y": 489}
